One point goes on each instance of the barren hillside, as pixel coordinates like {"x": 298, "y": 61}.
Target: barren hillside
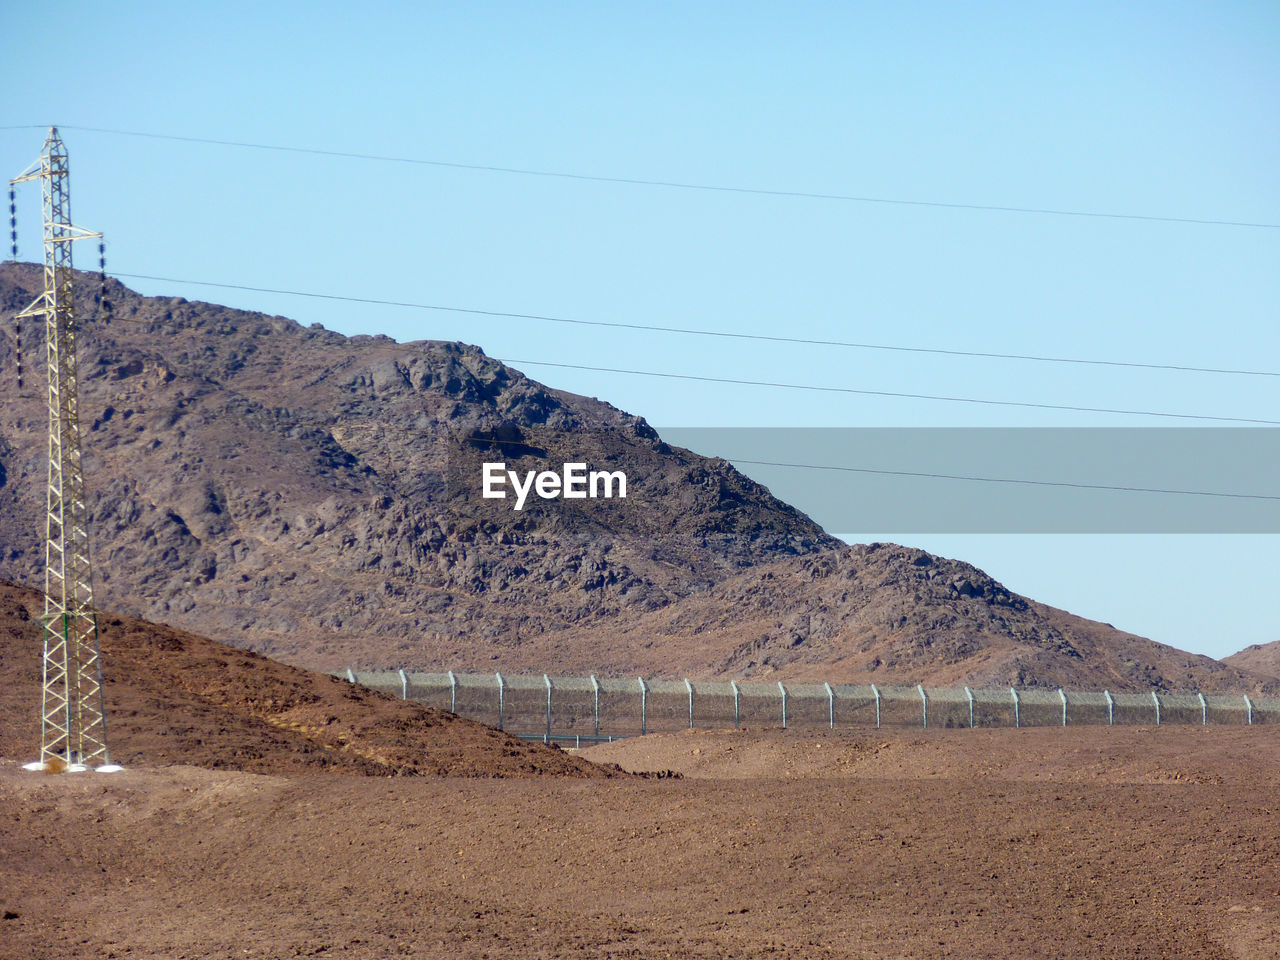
{"x": 286, "y": 489}
{"x": 1263, "y": 658}
{"x": 176, "y": 698}
{"x": 887, "y": 613}
{"x": 316, "y": 498}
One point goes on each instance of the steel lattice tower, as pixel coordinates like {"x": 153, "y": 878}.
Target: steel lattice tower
{"x": 73, "y": 727}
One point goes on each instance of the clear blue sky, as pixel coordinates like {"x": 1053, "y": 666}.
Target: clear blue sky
{"x": 1156, "y": 109}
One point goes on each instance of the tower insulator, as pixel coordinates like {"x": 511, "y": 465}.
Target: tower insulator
{"x": 102, "y": 306}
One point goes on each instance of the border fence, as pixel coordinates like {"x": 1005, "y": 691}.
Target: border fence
{"x": 591, "y": 709}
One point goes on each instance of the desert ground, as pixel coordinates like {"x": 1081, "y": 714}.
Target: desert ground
{"x": 1084, "y": 842}
{"x": 267, "y": 811}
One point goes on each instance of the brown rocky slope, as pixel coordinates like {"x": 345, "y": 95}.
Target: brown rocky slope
{"x": 887, "y": 613}
{"x": 176, "y": 698}
{"x": 1263, "y": 658}
{"x": 287, "y": 489}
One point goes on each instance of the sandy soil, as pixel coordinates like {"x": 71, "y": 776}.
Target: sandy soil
{"x": 1086, "y": 842}
{"x": 173, "y": 697}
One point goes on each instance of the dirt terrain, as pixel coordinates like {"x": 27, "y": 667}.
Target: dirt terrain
{"x": 267, "y": 812}
{"x": 176, "y": 698}
{"x": 1087, "y": 842}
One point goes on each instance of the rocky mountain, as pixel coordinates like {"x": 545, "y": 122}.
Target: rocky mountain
{"x": 883, "y": 612}
{"x": 317, "y": 498}
{"x": 298, "y": 492}
{"x": 1262, "y": 658}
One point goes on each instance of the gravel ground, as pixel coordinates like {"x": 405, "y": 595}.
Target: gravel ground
{"x": 1081, "y": 842}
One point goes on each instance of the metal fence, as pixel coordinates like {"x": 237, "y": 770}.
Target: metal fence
{"x": 591, "y": 709}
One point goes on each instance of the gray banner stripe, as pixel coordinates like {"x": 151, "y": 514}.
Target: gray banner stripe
{"x": 1012, "y": 480}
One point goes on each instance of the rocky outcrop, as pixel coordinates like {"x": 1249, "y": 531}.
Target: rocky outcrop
{"x": 299, "y": 492}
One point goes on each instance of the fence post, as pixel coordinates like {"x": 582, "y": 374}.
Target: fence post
{"x": 404, "y": 686}
{"x": 501, "y": 699}
{"x": 547, "y": 681}
{"x": 595, "y": 690}
{"x": 351, "y": 677}
{"x": 644, "y": 707}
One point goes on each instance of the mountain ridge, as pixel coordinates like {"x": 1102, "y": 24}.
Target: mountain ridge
{"x": 314, "y": 497}
{"x": 882, "y": 612}
{"x": 225, "y": 442}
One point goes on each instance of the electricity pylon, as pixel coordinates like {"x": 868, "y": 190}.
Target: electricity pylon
{"x": 73, "y": 727}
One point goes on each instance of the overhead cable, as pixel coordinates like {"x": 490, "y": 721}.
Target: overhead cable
{"x": 728, "y": 334}
{"x": 887, "y": 393}
{"x": 1032, "y": 483}
{"x": 677, "y": 184}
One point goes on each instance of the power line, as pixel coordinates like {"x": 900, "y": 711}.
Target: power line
{"x": 886, "y": 393}
{"x": 824, "y": 389}
{"x": 676, "y": 184}
{"x": 802, "y": 386}
{"x": 1033, "y": 483}
{"x": 693, "y": 331}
